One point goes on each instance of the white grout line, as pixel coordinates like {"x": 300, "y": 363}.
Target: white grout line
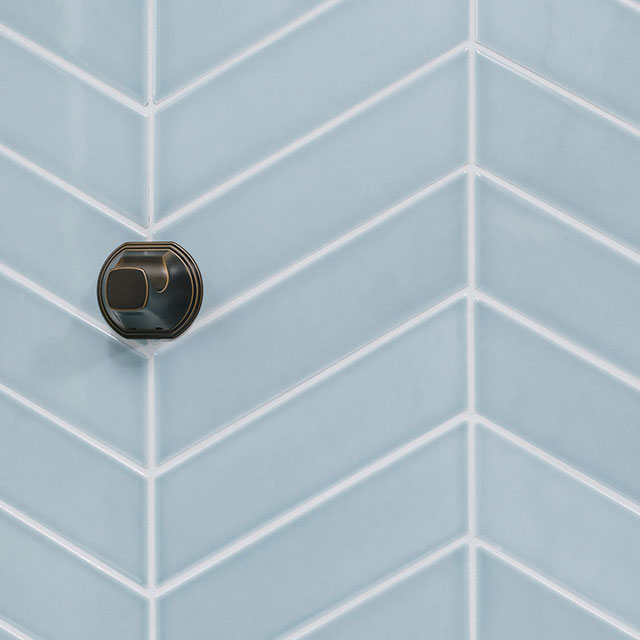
{"x": 14, "y": 631}
{"x": 72, "y": 548}
{"x": 557, "y": 89}
{"x": 560, "y": 341}
{"x": 69, "y": 428}
{"x": 70, "y": 68}
{"x": 151, "y": 430}
{"x": 375, "y": 590}
{"x": 151, "y": 500}
{"x": 558, "y": 464}
{"x": 251, "y": 50}
{"x": 632, "y": 4}
{"x": 566, "y": 218}
{"x": 556, "y": 588}
{"x": 472, "y": 587}
{"x": 252, "y": 537}
{"x": 314, "y": 134}
{"x": 311, "y": 381}
{"x": 64, "y": 305}
{"x": 70, "y": 189}
{"x": 315, "y": 256}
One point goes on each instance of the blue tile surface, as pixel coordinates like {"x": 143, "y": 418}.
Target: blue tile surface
{"x": 51, "y": 594}
{"x": 557, "y": 402}
{"x": 79, "y": 493}
{"x": 590, "y": 47}
{"x": 559, "y": 276}
{"x": 375, "y": 282}
{"x": 431, "y": 604}
{"x": 389, "y": 397}
{"x": 558, "y": 151}
{"x": 53, "y": 238}
{"x": 104, "y": 37}
{"x": 565, "y": 530}
{"x": 298, "y": 83}
{"x": 72, "y": 369}
{"x": 72, "y": 130}
{"x": 329, "y": 186}
{"x": 512, "y": 605}
{"x": 363, "y": 534}
{"x": 195, "y": 36}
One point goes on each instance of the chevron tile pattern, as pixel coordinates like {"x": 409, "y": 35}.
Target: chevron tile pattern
{"x": 410, "y": 407}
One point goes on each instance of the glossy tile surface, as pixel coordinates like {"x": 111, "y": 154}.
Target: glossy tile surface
{"x": 53, "y": 238}
{"x": 51, "y": 594}
{"x": 81, "y": 494}
{"x": 104, "y": 37}
{"x": 560, "y": 277}
{"x": 363, "y": 534}
{"x": 268, "y": 100}
{"x": 196, "y": 36}
{"x": 387, "y": 398}
{"x": 590, "y": 47}
{"x": 72, "y": 130}
{"x": 568, "y": 532}
{"x": 558, "y": 151}
{"x": 512, "y": 605}
{"x": 71, "y": 369}
{"x": 351, "y": 296}
{"x": 558, "y": 402}
{"x": 430, "y": 604}
{"x": 329, "y": 186}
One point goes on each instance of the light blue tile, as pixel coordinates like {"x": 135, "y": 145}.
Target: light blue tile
{"x": 560, "y": 527}
{"x": 512, "y": 605}
{"x": 51, "y": 594}
{"x": 391, "y": 396}
{"x": 72, "y": 369}
{"x": 373, "y": 283}
{"x": 329, "y": 186}
{"x": 5, "y": 635}
{"x": 558, "y": 151}
{"x": 53, "y": 238}
{"x": 194, "y": 36}
{"x": 293, "y": 86}
{"x": 558, "y": 402}
{"x": 72, "y": 489}
{"x": 72, "y": 130}
{"x": 360, "y": 536}
{"x": 590, "y": 47}
{"x": 559, "y": 276}
{"x": 429, "y": 605}
{"x": 104, "y": 37}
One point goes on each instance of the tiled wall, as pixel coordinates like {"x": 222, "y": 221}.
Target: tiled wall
{"x": 410, "y": 407}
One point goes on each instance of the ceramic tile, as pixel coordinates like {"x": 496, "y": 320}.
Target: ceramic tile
{"x": 559, "y": 276}
{"x": 389, "y": 397}
{"x": 269, "y": 100}
{"x": 53, "y": 238}
{"x": 375, "y": 282}
{"x": 587, "y": 46}
{"x": 430, "y": 604}
{"x": 512, "y": 605}
{"x": 329, "y": 186}
{"x": 565, "y": 530}
{"x": 84, "y": 496}
{"x": 558, "y": 402}
{"x": 365, "y": 533}
{"x": 104, "y": 37}
{"x": 72, "y": 369}
{"x": 195, "y": 36}
{"x": 558, "y": 151}
{"x": 72, "y": 130}
{"x": 51, "y": 594}
{"x": 5, "y": 635}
